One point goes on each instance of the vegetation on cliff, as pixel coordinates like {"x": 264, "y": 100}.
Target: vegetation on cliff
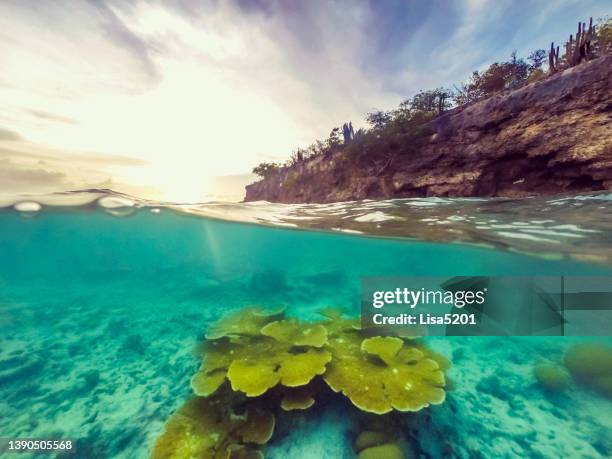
{"x": 402, "y": 130}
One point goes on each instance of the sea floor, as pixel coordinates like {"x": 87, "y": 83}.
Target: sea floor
{"x": 110, "y": 376}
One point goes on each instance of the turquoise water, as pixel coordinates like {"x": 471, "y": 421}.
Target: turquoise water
{"x": 100, "y": 314}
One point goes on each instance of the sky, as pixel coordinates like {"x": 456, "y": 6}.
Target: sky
{"x": 179, "y": 100}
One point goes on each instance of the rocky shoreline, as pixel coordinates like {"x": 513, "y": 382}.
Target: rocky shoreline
{"x": 551, "y": 137}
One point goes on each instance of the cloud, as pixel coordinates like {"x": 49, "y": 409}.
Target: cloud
{"x": 124, "y": 39}
{"x": 21, "y": 178}
{"x": 27, "y": 167}
{"x": 51, "y": 116}
{"x": 6, "y": 134}
{"x": 176, "y": 93}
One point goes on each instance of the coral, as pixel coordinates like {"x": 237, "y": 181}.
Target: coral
{"x": 590, "y": 364}
{"x": 241, "y": 452}
{"x": 287, "y": 351}
{"x": 380, "y": 437}
{"x": 293, "y": 332}
{"x": 208, "y": 427}
{"x": 386, "y": 451}
{"x": 205, "y": 384}
{"x": 255, "y": 373}
{"x": 384, "y": 347}
{"x": 382, "y": 374}
{"x": 246, "y": 322}
{"x": 272, "y": 360}
{"x": 585, "y": 361}
{"x": 255, "y": 365}
{"x": 603, "y": 385}
{"x": 369, "y": 438}
{"x": 297, "y": 399}
{"x": 331, "y": 313}
{"x": 551, "y": 377}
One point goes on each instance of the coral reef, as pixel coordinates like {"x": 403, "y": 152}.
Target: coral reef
{"x": 213, "y": 427}
{"x": 386, "y": 451}
{"x": 551, "y": 377}
{"x": 380, "y": 437}
{"x": 384, "y": 373}
{"x": 256, "y": 353}
{"x": 248, "y": 323}
{"x": 256, "y": 358}
{"x": 297, "y": 399}
{"x": 591, "y": 366}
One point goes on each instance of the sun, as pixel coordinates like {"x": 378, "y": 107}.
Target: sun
{"x": 171, "y": 181}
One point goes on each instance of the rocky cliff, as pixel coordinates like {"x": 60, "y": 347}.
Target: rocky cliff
{"x": 547, "y": 138}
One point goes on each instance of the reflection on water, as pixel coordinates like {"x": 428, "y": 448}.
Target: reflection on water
{"x": 100, "y": 316}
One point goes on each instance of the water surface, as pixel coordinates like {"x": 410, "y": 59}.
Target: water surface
{"x": 101, "y": 306}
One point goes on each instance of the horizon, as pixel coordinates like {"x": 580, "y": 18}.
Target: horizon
{"x": 180, "y": 102}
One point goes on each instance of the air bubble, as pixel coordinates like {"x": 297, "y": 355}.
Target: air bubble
{"x": 117, "y": 206}
{"x": 114, "y": 202}
{"x": 27, "y": 206}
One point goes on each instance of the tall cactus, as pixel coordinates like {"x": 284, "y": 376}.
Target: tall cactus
{"x": 553, "y": 58}
{"x": 580, "y": 49}
{"x": 576, "y": 50}
{"x": 347, "y": 132}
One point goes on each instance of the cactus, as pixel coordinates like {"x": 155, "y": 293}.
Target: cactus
{"x": 347, "y": 132}
{"x": 580, "y": 49}
{"x": 553, "y": 58}
{"x": 576, "y": 50}
{"x": 359, "y": 133}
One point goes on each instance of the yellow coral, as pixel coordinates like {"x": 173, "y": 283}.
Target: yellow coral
{"x": 370, "y": 438}
{"x": 205, "y": 384}
{"x": 207, "y": 427}
{"x": 297, "y": 399}
{"x": 255, "y": 351}
{"x": 387, "y": 451}
{"x": 400, "y": 376}
{"x": 290, "y": 355}
{"x": 296, "y": 333}
{"x": 588, "y": 360}
{"x": 551, "y": 377}
{"x": 591, "y": 365}
{"x": 255, "y": 373}
{"x": 246, "y": 322}
{"x": 242, "y": 452}
{"x": 385, "y": 347}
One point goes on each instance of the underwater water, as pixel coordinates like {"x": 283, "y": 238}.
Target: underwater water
{"x": 101, "y": 309}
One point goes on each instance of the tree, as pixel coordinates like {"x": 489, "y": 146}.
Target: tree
{"x": 468, "y": 92}
{"x": 517, "y": 71}
{"x": 264, "y": 170}
{"x": 333, "y": 141}
{"x": 603, "y": 35}
{"x": 536, "y": 59}
{"x": 435, "y": 100}
{"x": 499, "y": 76}
{"x": 378, "y": 119}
